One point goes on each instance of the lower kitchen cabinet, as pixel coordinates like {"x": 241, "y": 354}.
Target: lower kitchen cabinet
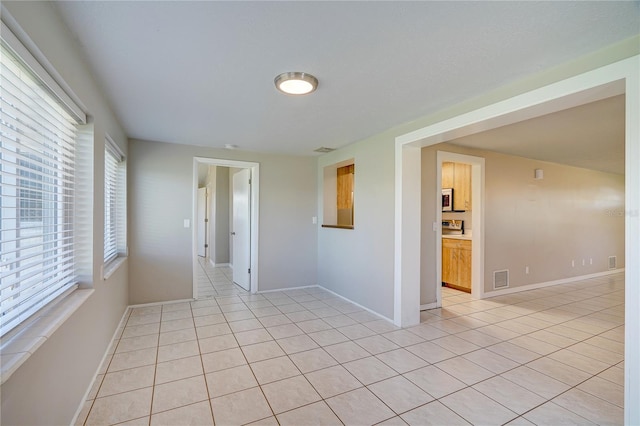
{"x": 456, "y": 264}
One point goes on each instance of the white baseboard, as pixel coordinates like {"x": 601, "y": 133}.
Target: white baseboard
{"x": 428, "y": 306}
{"x": 167, "y": 302}
{"x": 104, "y": 357}
{"x": 216, "y": 265}
{"x": 286, "y": 289}
{"x": 495, "y": 293}
{"x": 335, "y": 294}
{"x": 357, "y": 304}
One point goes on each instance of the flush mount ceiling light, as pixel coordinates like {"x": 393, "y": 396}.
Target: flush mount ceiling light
{"x": 296, "y": 83}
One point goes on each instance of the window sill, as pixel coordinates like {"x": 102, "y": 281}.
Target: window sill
{"x": 111, "y": 267}
{"x": 20, "y": 343}
{"x": 338, "y": 226}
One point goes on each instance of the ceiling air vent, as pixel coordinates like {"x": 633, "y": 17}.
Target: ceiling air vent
{"x": 323, "y": 149}
{"x": 500, "y": 279}
{"x": 613, "y": 262}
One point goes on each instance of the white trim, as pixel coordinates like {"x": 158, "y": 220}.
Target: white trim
{"x": 287, "y": 289}
{"x": 430, "y": 306}
{"x": 118, "y": 331}
{"x": 553, "y": 97}
{"x": 110, "y": 143}
{"x": 45, "y": 75}
{"x": 109, "y": 268}
{"x": 23, "y": 341}
{"x": 407, "y": 234}
{"x": 519, "y": 289}
{"x": 357, "y": 304}
{"x": 255, "y": 215}
{"x": 168, "y": 302}
{"x": 220, "y": 265}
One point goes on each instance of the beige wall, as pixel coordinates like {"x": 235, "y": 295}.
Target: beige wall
{"x": 217, "y": 183}
{"x": 571, "y": 214}
{"x": 49, "y": 387}
{"x": 232, "y": 171}
{"x": 160, "y": 198}
{"x": 222, "y": 215}
{"x": 359, "y": 264}
{"x": 210, "y": 183}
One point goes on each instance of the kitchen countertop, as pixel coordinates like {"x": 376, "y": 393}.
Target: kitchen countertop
{"x": 457, "y": 236}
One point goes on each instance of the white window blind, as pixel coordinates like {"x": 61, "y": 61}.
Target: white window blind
{"x": 113, "y": 201}
{"x": 37, "y": 174}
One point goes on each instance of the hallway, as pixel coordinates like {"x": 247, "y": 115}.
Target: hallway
{"x": 216, "y": 280}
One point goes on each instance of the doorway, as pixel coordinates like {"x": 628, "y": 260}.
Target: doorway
{"x": 241, "y": 227}
{"x": 546, "y": 100}
{"x": 202, "y": 222}
{"x": 476, "y": 217}
{"x": 247, "y": 250}
{"x": 598, "y": 83}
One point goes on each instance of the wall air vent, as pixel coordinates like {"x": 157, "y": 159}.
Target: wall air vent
{"x": 500, "y": 279}
{"x": 613, "y": 262}
{"x": 323, "y": 149}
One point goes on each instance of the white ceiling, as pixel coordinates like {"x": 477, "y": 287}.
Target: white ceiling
{"x": 202, "y": 73}
{"x": 590, "y": 136}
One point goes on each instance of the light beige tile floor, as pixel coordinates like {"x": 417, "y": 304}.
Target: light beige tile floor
{"x": 546, "y": 356}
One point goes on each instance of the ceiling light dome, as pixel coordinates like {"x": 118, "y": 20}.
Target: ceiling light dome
{"x": 296, "y": 83}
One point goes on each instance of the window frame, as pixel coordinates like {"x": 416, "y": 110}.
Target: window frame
{"x": 41, "y": 159}
{"x": 115, "y": 206}
{"x": 338, "y": 178}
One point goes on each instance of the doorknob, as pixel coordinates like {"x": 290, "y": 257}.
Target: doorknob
{"x": 233, "y": 233}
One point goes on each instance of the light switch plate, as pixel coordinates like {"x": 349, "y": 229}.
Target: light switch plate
{"x": 187, "y": 223}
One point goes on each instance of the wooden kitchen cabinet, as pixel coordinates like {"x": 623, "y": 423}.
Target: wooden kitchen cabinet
{"x": 458, "y": 177}
{"x": 456, "y": 263}
{"x": 462, "y": 185}
{"x": 447, "y": 175}
{"x": 344, "y": 191}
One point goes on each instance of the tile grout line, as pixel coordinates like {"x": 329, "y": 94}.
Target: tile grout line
{"x": 382, "y": 334}
{"x": 204, "y": 374}
{"x": 155, "y": 366}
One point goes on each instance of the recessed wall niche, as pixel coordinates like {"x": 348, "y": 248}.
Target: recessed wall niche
{"x": 338, "y": 190}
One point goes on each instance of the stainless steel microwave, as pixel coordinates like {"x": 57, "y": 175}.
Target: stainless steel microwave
{"x": 447, "y": 199}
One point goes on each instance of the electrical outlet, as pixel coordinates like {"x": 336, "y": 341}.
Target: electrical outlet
{"x": 526, "y": 270}
{"x": 573, "y": 263}
{"x": 591, "y": 261}
{"x": 584, "y": 262}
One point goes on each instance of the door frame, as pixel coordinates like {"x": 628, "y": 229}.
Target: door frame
{"x": 477, "y": 220}
{"x": 253, "y": 216}
{"x": 577, "y": 90}
{"x": 198, "y": 225}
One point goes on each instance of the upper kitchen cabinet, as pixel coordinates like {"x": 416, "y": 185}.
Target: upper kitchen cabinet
{"x": 345, "y": 194}
{"x": 338, "y": 189}
{"x": 458, "y": 177}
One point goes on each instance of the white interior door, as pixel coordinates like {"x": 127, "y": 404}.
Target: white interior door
{"x": 201, "y": 222}
{"x": 241, "y": 229}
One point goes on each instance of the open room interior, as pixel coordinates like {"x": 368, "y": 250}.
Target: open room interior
{"x": 178, "y": 247}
